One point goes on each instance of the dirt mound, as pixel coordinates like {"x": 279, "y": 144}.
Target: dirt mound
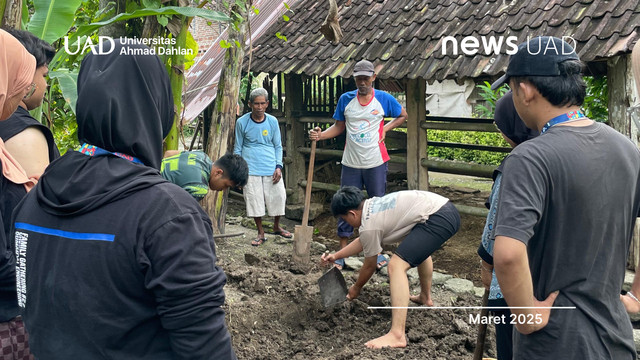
{"x": 275, "y": 314}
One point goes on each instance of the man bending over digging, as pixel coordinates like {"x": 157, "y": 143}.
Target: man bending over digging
{"x": 420, "y": 220}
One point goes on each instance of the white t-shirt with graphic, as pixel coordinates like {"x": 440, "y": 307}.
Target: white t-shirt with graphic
{"x": 364, "y": 124}
{"x": 388, "y": 219}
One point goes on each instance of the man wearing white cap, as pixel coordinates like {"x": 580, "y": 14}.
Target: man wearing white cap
{"x": 364, "y": 161}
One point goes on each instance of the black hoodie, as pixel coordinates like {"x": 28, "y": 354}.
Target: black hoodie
{"x": 112, "y": 261}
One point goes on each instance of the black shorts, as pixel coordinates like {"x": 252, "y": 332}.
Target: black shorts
{"x": 427, "y": 237}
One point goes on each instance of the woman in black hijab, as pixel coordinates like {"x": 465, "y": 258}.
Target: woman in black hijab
{"x": 121, "y": 262}
{"x": 514, "y": 132}
{"x": 509, "y": 122}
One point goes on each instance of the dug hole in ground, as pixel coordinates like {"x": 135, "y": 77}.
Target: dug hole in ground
{"x": 273, "y": 313}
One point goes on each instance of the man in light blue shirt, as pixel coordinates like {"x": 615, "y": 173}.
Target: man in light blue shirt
{"x": 258, "y": 142}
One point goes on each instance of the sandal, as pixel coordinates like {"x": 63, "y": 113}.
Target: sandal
{"x": 382, "y": 261}
{"x": 339, "y": 264}
{"x": 284, "y": 233}
{"x": 258, "y": 241}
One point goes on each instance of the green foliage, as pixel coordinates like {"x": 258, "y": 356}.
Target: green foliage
{"x": 52, "y": 18}
{"x": 25, "y": 14}
{"x": 152, "y": 4}
{"x": 61, "y": 119}
{"x": 244, "y": 82}
{"x": 490, "y": 96}
{"x": 190, "y": 59}
{"x": 163, "y": 20}
{"x": 281, "y": 37}
{"x": 188, "y": 130}
{"x": 467, "y": 137}
{"x": 68, "y": 81}
{"x": 473, "y": 137}
{"x": 80, "y": 20}
{"x": 595, "y": 107}
{"x": 89, "y": 29}
{"x": 286, "y": 17}
{"x": 596, "y": 102}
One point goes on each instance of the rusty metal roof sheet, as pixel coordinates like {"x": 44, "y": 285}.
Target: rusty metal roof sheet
{"x": 202, "y": 78}
{"x": 404, "y": 37}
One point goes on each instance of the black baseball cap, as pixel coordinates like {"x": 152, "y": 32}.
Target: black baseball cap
{"x": 509, "y": 122}
{"x": 363, "y": 68}
{"x": 539, "y": 56}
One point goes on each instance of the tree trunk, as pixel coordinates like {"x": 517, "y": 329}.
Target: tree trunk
{"x": 12, "y": 11}
{"x": 176, "y": 75}
{"x": 116, "y": 29}
{"x": 222, "y": 126}
{"x": 151, "y": 28}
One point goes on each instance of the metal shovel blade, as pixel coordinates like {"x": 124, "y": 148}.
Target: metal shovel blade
{"x": 333, "y": 288}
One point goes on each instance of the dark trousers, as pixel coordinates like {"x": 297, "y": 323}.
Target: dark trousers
{"x": 425, "y": 238}
{"x": 504, "y": 335}
{"x": 374, "y": 180}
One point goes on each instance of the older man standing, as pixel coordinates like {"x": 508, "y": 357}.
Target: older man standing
{"x": 364, "y": 161}
{"x": 258, "y": 142}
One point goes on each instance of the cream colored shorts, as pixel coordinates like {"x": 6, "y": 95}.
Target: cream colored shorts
{"x": 261, "y": 191}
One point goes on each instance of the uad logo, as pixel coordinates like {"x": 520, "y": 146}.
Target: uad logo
{"x": 104, "y": 46}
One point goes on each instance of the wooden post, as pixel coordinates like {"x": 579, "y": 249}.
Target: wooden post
{"x": 634, "y": 250}
{"x": 296, "y": 137}
{"x": 417, "y": 175}
{"x": 622, "y": 95}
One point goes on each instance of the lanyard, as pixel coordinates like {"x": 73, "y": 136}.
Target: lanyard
{"x": 92, "y": 150}
{"x": 570, "y": 116}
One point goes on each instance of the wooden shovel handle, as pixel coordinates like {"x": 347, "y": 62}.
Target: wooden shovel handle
{"x": 482, "y": 328}
{"x": 307, "y": 194}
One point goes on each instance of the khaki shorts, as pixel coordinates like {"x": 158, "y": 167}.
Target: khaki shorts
{"x": 261, "y": 191}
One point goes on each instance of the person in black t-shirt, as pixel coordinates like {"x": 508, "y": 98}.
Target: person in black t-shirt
{"x": 26, "y": 139}
{"x": 567, "y": 209}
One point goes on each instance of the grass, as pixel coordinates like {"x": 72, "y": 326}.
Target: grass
{"x": 442, "y": 179}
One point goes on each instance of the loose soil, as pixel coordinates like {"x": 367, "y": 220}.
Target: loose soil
{"x": 276, "y": 313}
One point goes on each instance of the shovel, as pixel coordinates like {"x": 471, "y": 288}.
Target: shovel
{"x": 482, "y": 328}
{"x": 333, "y": 288}
{"x": 304, "y": 233}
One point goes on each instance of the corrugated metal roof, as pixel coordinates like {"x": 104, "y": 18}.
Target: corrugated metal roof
{"x": 202, "y": 79}
{"x": 404, "y": 37}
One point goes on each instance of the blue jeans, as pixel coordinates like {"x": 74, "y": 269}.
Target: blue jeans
{"x": 374, "y": 180}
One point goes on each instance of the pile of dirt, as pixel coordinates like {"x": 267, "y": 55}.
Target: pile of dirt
{"x": 276, "y": 313}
